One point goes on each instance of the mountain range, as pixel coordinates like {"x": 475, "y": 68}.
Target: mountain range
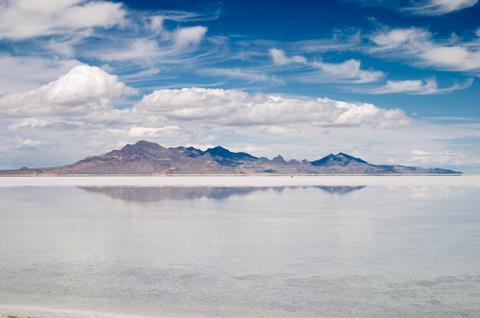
{"x": 148, "y": 158}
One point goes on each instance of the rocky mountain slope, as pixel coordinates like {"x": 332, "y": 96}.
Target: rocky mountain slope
{"x": 152, "y": 159}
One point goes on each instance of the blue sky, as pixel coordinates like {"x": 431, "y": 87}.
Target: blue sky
{"x": 390, "y": 81}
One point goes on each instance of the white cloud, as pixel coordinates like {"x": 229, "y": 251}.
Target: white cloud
{"x": 280, "y": 58}
{"x": 20, "y": 73}
{"x": 139, "y": 48}
{"x": 342, "y": 40}
{"x": 349, "y": 70}
{"x": 418, "y": 87}
{"x": 280, "y": 130}
{"x": 138, "y": 132}
{"x": 422, "y": 7}
{"x": 239, "y": 73}
{"x": 188, "y": 116}
{"x": 452, "y": 57}
{"x": 30, "y": 123}
{"x": 442, "y": 157}
{"x": 27, "y": 143}
{"x": 156, "y": 24}
{"x": 22, "y": 19}
{"x": 397, "y": 37}
{"x": 64, "y": 46}
{"x": 185, "y": 37}
{"x": 438, "y": 7}
{"x": 142, "y": 132}
{"x": 234, "y": 107}
{"x": 142, "y": 74}
{"x": 64, "y": 28}
{"x": 419, "y": 152}
{"x": 81, "y": 91}
{"x": 418, "y": 46}
{"x": 157, "y": 43}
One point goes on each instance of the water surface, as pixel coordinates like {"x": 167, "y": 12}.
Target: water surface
{"x": 283, "y": 251}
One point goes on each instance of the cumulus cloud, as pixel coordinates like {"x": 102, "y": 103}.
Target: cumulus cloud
{"x": 22, "y": 19}
{"x": 349, "y": 70}
{"x": 88, "y": 91}
{"x": 145, "y": 132}
{"x": 293, "y": 126}
{"x": 418, "y": 87}
{"x": 20, "y": 73}
{"x": 82, "y": 90}
{"x": 417, "y": 45}
{"x": 438, "y": 7}
{"x": 237, "y": 108}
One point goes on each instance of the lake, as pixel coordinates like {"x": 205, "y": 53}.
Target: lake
{"x": 240, "y": 247}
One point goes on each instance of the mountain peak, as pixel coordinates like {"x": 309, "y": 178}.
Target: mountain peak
{"x": 340, "y": 158}
{"x": 218, "y": 149}
{"x": 225, "y": 153}
{"x": 144, "y": 143}
{"x": 141, "y": 144}
{"x": 140, "y": 147}
{"x": 279, "y": 159}
{"x": 347, "y": 156}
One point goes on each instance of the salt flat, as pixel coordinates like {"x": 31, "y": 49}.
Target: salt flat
{"x": 240, "y": 181}
{"x": 337, "y": 250}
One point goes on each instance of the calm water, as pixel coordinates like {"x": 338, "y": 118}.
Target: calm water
{"x": 316, "y": 251}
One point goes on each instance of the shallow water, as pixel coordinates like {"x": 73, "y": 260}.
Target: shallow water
{"x": 295, "y": 251}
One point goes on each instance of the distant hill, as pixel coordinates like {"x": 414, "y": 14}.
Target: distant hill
{"x": 148, "y": 158}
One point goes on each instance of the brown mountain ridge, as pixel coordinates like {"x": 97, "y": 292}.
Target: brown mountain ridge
{"x": 148, "y": 158}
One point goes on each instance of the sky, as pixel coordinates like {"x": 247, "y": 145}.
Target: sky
{"x": 387, "y": 81}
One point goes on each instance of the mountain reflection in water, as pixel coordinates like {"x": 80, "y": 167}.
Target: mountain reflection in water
{"x": 152, "y": 194}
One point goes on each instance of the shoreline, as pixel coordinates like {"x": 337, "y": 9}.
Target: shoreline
{"x": 42, "y": 175}
{"x": 243, "y": 180}
{"x": 7, "y": 311}
{"x": 41, "y": 312}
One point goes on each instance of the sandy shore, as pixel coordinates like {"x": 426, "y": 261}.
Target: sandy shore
{"x": 8, "y": 312}
{"x": 241, "y": 181}
{"x": 38, "y": 312}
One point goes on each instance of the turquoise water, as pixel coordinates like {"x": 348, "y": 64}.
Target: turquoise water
{"x": 316, "y": 251}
